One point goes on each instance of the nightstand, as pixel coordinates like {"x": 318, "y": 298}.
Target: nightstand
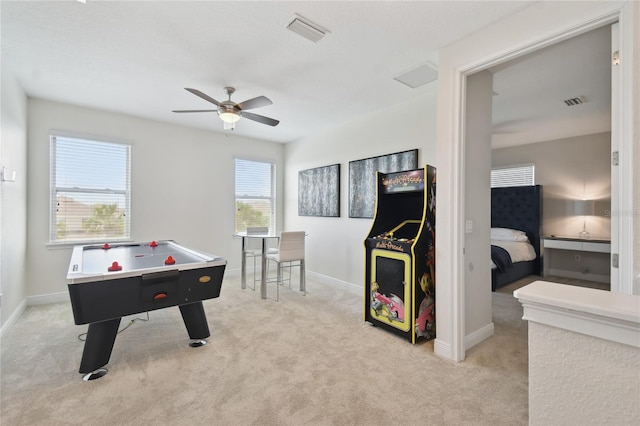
{"x": 550, "y": 243}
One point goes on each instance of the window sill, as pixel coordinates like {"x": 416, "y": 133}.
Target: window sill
{"x": 72, "y": 244}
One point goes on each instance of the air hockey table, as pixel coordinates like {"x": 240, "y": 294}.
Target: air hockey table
{"x": 109, "y": 281}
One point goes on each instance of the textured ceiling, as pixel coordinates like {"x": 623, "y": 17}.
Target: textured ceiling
{"x": 137, "y": 57}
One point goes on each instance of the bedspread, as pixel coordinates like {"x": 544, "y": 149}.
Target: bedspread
{"x": 500, "y": 258}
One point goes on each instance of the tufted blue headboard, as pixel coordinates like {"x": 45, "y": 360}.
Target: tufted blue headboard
{"x": 519, "y": 207}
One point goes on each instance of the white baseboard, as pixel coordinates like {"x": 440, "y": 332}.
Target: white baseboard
{"x": 344, "y": 285}
{"x": 30, "y": 301}
{"x": 45, "y": 299}
{"x": 14, "y": 317}
{"x": 472, "y": 339}
{"x": 442, "y": 349}
{"x": 580, "y": 276}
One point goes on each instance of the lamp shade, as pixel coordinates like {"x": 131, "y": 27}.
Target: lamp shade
{"x": 584, "y": 208}
{"x": 229, "y": 116}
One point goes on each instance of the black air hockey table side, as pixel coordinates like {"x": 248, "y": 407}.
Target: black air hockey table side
{"x": 111, "y": 281}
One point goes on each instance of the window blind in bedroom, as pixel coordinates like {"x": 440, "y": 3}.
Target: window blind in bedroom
{"x": 521, "y": 175}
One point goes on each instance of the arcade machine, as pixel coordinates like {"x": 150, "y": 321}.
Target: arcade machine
{"x": 400, "y": 255}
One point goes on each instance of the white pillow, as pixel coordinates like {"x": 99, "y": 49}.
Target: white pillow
{"x": 505, "y": 234}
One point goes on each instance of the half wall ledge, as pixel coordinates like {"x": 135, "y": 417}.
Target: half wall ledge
{"x": 584, "y": 352}
{"x": 597, "y": 313}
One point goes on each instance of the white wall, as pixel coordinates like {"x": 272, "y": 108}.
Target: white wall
{"x": 336, "y": 245}
{"x": 477, "y": 245}
{"x": 182, "y": 185}
{"x": 565, "y": 168}
{"x": 13, "y": 197}
{"x": 604, "y": 389}
{"x": 636, "y": 157}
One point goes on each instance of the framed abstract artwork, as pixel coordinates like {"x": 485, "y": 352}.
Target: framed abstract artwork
{"x": 319, "y": 191}
{"x": 362, "y": 179}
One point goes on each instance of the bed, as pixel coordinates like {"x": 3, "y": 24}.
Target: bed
{"x": 518, "y": 211}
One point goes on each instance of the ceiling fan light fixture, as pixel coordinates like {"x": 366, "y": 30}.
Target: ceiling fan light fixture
{"x": 228, "y": 116}
{"x": 230, "y": 112}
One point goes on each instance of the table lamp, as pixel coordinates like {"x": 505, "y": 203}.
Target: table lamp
{"x": 584, "y": 208}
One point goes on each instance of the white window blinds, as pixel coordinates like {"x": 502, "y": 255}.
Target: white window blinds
{"x": 522, "y": 175}
{"x": 255, "y": 199}
{"x": 90, "y": 190}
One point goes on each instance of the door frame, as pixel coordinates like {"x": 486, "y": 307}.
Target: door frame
{"x": 450, "y": 153}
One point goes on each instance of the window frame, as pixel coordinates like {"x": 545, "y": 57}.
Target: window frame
{"x": 273, "y": 198}
{"x": 54, "y": 189}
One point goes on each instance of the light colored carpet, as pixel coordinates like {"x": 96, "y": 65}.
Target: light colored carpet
{"x": 306, "y": 360}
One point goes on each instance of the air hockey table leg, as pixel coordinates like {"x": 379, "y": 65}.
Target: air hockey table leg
{"x": 196, "y": 322}
{"x": 98, "y": 347}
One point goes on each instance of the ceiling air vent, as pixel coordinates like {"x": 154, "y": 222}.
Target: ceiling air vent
{"x": 307, "y": 29}
{"x": 418, "y": 76}
{"x": 575, "y": 101}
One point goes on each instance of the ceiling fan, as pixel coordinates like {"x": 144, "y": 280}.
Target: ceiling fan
{"x": 230, "y": 112}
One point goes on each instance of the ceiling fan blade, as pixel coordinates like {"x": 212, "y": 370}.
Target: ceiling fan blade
{"x": 258, "y": 102}
{"x": 203, "y": 96}
{"x": 194, "y": 110}
{"x": 260, "y": 118}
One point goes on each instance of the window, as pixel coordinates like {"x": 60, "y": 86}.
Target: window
{"x": 522, "y": 175}
{"x": 255, "y": 194}
{"x": 90, "y": 190}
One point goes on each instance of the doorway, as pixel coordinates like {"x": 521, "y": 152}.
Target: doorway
{"x": 552, "y": 112}
{"x": 540, "y": 26}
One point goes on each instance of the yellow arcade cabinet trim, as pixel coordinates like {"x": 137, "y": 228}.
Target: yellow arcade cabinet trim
{"x": 388, "y": 308}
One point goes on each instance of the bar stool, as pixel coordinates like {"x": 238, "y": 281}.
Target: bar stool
{"x": 255, "y": 252}
{"x": 290, "y": 250}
